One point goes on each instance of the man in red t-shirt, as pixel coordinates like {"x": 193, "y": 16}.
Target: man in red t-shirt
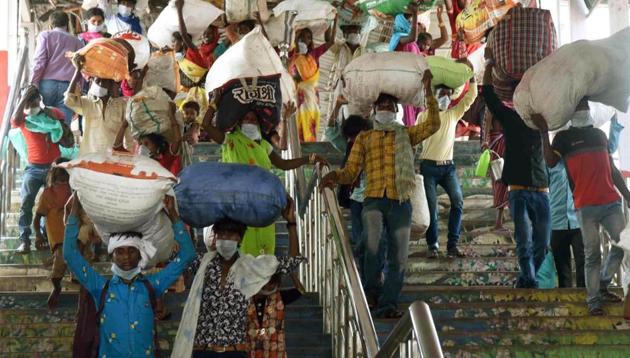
{"x": 593, "y": 178}
{"x": 43, "y": 130}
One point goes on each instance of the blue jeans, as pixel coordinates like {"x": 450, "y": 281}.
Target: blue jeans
{"x": 357, "y": 240}
{"x": 33, "y": 179}
{"x": 52, "y": 92}
{"x": 611, "y": 217}
{"x": 395, "y": 218}
{"x": 532, "y": 231}
{"x": 446, "y": 177}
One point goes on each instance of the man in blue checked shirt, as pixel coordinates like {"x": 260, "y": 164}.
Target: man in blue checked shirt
{"x": 126, "y": 322}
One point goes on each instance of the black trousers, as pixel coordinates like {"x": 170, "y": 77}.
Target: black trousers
{"x": 562, "y": 242}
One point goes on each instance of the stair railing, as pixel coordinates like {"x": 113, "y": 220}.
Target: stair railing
{"x": 9, "y": 160}
{"x": 413, "y": 336}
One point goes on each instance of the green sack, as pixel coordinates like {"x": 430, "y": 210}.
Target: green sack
{"x": 483, "y": 164}
{"x": 547, "y": 275}
{"x": 447, "y": 72}
{"x": 389, "y": 7}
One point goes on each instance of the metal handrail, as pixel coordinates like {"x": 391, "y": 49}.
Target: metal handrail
{"x": 414, "y": 335}
{"x": 9, "y": 158}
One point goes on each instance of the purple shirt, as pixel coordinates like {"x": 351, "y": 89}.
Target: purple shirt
{"x": 50, "y": 61}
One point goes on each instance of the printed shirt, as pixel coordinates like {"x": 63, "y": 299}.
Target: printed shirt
{"x": 99, "y": 131}
{"x": 126, "y": 324}
{"x": 563, "y": 215}
{"x": 524, "y": 162}
{"x": 40, "y": 150}
{"x": 50, "y": 61}
{"x": 585, "y": 153}
{"x": 223, "y": 312}
{"x": 439, "y": 146}
{"x": 374, "y": 152}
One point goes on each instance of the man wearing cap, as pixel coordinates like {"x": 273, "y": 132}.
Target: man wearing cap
{"x": 126, "y": 320}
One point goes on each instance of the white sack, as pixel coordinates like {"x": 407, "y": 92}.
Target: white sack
{"x": 420, "y": 217}
{"x": 624, "y": 244}
{"x": 140, "y": 45}
{"x": 396, "y": 73}
{"x": 252, "y": 56}
{"x": 149, "y": 112}
{"x": 162, "y": 71}
{"x": 312, "y": 14}
{"x": 280, "y": 29}
{"x": 241, "y": 10}
{"x": 555, "y": 85}
{"x": 197, "y": 14}
{"x": 116, "y": 203}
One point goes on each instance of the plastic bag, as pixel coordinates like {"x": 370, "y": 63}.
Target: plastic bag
{"x": 480, "y": 16}
{"x": 547, "y": 276}
{"x": 481, "y": 170}
{"x": 208, "y": 192}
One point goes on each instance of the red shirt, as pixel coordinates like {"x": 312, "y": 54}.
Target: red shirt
{"x": 171, "y": 162}
{"x": 585, "y": 152}
{"x": 40, "y": 150}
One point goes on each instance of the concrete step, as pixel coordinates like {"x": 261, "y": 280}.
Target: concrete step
{"x": 532, "y": 338}
{"x": 536, "y": 351}
{"x": 448, "y": 311}
{"x": 420, "y": 249}
{"x": 507, "y": 324}
{"x": 474, "y": 264}
{"x": 464, "y": 278}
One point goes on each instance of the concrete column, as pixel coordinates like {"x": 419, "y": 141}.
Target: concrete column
{"x": 577, "y": 16}
{"x": 618, "y": 10}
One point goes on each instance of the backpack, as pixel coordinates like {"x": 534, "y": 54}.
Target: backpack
{"x": 85, "y": 343}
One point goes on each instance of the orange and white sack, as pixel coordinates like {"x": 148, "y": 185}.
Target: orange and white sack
{"x": 252, "y": 56}
{"x": 119, "y": 191}
{"x": 140, "y": 44}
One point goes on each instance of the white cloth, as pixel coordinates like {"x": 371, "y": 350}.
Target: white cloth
{"x": 147, "y": 250}
{"x": 249, "y": 274}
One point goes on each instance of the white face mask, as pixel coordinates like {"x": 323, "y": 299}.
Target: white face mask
{"x": 582, "y": 119}
{"x": 33, "y": 111}
{"x": 251, "y": 131}
{"x": 302, "y": 48}
{"x": 179, "y": 56}
{"x": 443, "y": 103}
{"x": 353, "y": 39}
{"x": 126, "y": 275}
{"x": 385, "y": 117}
{"x": 97, "y": 91}
{"x": 226, "y": 248}
{"x": 95, "y": 28}
{"x": 124, "y": 10}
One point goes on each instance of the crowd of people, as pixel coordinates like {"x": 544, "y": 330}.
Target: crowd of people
{"x": 559, "y": 193}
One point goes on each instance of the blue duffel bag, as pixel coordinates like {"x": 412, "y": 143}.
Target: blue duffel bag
{"x": 208, "y": 192}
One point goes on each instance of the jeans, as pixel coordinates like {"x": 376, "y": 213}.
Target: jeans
{"x": 611, "y": 217}
{"x": 357, "y": 240}
{"x": 395, "y": 217}
{"x": 446, "y": 177}
{"x": 33, "y": 179}
{"x": 562, "y": 242}
{"x": 52, "y": 92}
{"x": 532, "y": 231}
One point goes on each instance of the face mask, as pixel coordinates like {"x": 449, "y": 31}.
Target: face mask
{"x": 384, "y": 117}
{"x": 443, "y": 103}
{"x": 302, "y": 48}
{"x": 97, "y": 91}
{"x": 353, "y": 39}
{"x": 125, "y": 275}
{"x": 124, "y": 10}
{"x": 95, "y": 28}
{"x": 33, "y": 111}
{"x": 226, "y": 248}
{"x": 179, "y": 56}
{"x": 268, "y": 292}
{"x": 582, "y": 119}
{"x": 251, "y": 131}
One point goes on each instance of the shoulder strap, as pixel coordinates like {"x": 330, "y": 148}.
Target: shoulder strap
{"x": 101, "y": 303}
{"x": 153, "y": 300}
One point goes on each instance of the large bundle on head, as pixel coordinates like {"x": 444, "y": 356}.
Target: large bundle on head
{"x": 198, "y": 14}
{"x": 395, "y": 73}
{"x": 519, "y": 41}
{"x": 480, "y": 16}
{"x": 252, "y": 57}
{"x": 594, "y": 69}
{"x": 208, "y": 192}
{"x": 449, "y": 72}
{"x": 149, "y": 111}
{"x": 312, "y": 14}
{"x": 392, "y": 7}
{"x": 140, "y": 45}
{"x": 107, "y": 58}
{"x": 162, "y": 71}
{"x": 122, "y": 192}
{"x": 241, "y": 10}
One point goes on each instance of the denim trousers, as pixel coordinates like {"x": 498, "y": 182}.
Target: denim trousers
{"x": 52, "y": 92}
{"x": 446, "y": 177}
{"x": 598, "y": 277}
{"x": 33, "y": 179}
{"x": 358, "y": 241}
{"x": 532, "y": 231}
{"x": 395, "y": 218}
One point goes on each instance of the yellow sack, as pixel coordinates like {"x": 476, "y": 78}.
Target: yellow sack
{"x": 448, "y": 72}
{"x": 480, "y": 16}
{"x": 195, "y": 94}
